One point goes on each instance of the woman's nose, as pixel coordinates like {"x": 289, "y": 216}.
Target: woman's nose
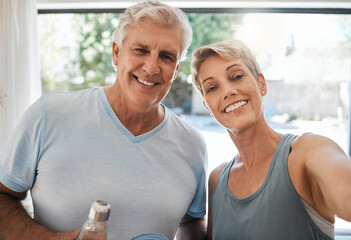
{"x": 229, "y": 91}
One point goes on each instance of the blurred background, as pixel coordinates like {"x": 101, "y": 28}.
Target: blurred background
{"x": 303, "y": 48}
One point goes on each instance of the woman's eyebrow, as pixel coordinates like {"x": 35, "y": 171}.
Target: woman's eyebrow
{"x": 206, "y": 79}
{"x": 233, "y": 65}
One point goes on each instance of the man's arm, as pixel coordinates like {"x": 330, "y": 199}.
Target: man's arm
{"x": 15, "y": 223}
{"x": 191, "y": 228}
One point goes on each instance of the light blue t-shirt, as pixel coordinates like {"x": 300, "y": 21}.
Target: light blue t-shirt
{"x": 70, "y": 150}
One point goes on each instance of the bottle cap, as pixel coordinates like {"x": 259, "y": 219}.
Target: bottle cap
{"x": 99, "y": 211}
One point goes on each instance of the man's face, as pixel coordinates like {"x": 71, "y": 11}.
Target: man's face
{"x": 147, "y": 63}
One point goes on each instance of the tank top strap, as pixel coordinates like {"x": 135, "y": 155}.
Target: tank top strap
{"x": 283, "y": 150}
{"x": 226, "y": 169}
{"x": 221, "y": 185}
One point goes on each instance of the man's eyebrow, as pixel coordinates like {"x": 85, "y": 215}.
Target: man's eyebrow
{"x": 170, "y": 53}
{"x": 140, "y": 45}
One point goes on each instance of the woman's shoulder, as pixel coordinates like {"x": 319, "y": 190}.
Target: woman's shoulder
{"x": 214, "y": 177}
{"x": 309, "y": 142}
{"x": 218, "y": 170}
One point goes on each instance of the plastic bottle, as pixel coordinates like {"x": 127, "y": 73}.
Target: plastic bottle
{"x": 95, "y": 227}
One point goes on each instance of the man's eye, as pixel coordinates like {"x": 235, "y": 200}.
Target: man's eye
{"x": 140, "y": 51}
{"x": 167, "y": 57}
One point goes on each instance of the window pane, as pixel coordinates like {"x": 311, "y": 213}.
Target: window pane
{"x": 305, "y": 59}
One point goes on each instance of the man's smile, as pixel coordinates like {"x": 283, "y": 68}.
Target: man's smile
{"x": 145, "y": 82}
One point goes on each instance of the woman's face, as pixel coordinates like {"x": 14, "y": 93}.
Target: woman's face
{"x": 231, "y": 93}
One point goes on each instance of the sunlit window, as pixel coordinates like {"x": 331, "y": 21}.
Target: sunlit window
{"x": 305, "y": 58}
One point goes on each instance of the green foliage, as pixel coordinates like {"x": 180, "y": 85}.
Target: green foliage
{"x": 207, "y": 28}
{"x": 95, "y": 49}
{"x": 76, "y": 51}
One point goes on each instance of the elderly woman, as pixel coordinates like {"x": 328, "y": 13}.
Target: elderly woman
{"x": 278, "y": 186}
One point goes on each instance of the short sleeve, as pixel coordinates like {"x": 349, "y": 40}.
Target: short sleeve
{"x": 197, "y": 207}
{"x": 19, "y": 155}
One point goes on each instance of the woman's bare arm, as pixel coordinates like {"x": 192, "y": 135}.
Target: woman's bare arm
{"x": 329, "y": 169}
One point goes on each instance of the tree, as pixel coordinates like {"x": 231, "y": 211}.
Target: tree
{"x": 95, "y": 49}
{"x": 76, "y": 50}
{"x": 207, "y": 28}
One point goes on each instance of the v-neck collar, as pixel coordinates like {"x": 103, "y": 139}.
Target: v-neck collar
{"x": 123, "y": 129}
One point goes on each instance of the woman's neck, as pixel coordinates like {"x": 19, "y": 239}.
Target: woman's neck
{"x": 257, "y": 143}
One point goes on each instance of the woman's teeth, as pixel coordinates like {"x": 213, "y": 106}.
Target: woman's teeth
{"x": 235, "y": 106}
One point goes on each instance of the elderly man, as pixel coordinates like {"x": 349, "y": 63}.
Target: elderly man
{"x": 118, "y": 144}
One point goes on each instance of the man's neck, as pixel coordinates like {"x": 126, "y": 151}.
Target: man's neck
{"x": 136, "y": 119}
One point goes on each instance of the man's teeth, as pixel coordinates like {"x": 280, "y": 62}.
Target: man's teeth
{"x": 235, "y": 106}
{"x": 145, "y": 82}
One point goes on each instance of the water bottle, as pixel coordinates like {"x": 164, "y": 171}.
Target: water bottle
{"x": 95, "y": 227}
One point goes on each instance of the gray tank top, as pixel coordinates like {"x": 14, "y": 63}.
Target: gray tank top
{"x": 274, "y": 211}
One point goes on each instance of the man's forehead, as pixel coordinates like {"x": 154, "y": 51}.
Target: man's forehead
{"x": 141, "y": 36}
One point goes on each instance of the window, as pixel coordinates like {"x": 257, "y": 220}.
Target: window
{"x": 305, "y": 58}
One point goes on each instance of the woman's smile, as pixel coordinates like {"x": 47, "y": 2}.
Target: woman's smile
{"x": 235, "y": 106}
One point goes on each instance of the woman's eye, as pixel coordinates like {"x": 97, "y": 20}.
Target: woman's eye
{"x": 211, "y": 89}
{"x": 237, "y": 77}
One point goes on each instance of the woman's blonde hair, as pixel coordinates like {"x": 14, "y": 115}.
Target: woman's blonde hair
{"x": 228, "y": 49}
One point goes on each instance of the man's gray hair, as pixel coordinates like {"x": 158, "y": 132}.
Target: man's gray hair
{"x": 156, "y": 13}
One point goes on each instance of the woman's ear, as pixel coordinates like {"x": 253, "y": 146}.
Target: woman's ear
{"x": 262, "y": 84}
{"x": 203, "y": 102}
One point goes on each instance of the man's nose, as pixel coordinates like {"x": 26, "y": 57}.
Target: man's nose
{"x": 151, "y": 65}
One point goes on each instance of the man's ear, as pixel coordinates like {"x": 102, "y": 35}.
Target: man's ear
{"x": 176, "y": 72}
{"x": 203, "y": 102}
{"x": 115, "y": 50}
